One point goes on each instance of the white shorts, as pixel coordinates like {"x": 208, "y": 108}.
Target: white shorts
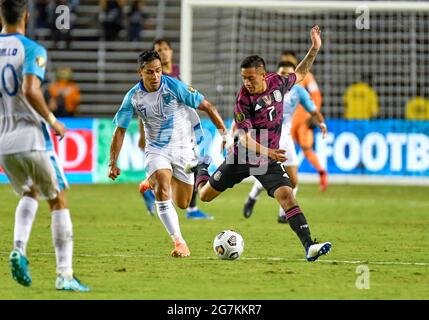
{"x": 286, "y": 143}
{"x": 176, "y": 163}
{"x": 38, "y": 169}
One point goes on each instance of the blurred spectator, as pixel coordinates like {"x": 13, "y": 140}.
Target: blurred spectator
{"x": 417, "y": 109}
{"x": 64, "y": 94}
{"x": 360, "y": 100}
{"x": 42, "y": 13}
{"x": 136, "y": 20}
{"x": 111, "y": 18}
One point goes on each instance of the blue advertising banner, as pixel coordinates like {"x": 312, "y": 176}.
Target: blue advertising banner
{"x": 352, "y": 147}
{"x": 376, "y": 147}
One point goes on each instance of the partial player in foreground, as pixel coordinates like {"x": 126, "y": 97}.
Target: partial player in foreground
{"x": 26, "y": 148}
{"x": 297, "y": 95}
{"x": 258, "y": 114}
{"x": 303, "y": 124}
{"x": 163, "y": 47}
{"x": 162, "y": 103}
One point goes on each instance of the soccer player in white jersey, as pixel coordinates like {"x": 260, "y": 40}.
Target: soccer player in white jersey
{"x": 162, "y": 103}
{"x": 26, "y": 148}
{"x": 297, "y": 95}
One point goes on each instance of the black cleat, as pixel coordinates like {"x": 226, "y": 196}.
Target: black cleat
{"x": 248, "y": 207}
{"x": 282, "y": 219}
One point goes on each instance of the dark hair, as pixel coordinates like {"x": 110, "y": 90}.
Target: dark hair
{"x": 12, "y": 11}
{"x": 146, "y": 57}
{"x": 253, "y": 62}
{"x": 286, "y": 64}
{"x": 159, "y": 41}
{"x": 289, "y": 53}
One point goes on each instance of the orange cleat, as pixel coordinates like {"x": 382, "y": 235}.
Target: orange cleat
{"x": 144, "y": 186}
{"x": 323, "y": 181}
{"x": 180, "y": 250}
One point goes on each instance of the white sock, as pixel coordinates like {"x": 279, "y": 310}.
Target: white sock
{"x": 256, "y": 190}
{"x": 281, "y": 212}
{"x": 168, "y": 215}
{"x": 192, "y": 208}
{"x": 295, "y": 191}
{"x": 62, "y": 238}
{"x": 24, "y": 217}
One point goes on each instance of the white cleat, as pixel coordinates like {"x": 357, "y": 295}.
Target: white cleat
{"x": 316, "y": 250}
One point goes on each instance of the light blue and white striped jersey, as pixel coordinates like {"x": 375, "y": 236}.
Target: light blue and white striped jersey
{"x": 167, "y": 122}
{"x": 297, "y": 95}
{"x": 22, "y": 129}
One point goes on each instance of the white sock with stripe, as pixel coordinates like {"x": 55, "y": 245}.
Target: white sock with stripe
{"x": 24, "y": 218}
{"x": 62, "y": 238}
{"x": 168, "y": 215}
{"x": 256, "y": 190}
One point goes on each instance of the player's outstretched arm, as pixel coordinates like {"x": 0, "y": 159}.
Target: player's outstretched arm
{"x": 215, "y": 117}
{"x": 305, "y": 65}
{"x": 32, "y": 91}
{"x": 115, "y": 149}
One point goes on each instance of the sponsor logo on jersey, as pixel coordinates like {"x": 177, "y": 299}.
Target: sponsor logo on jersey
{"x": 191, "y": 89}
{"x": 267, "y": 99}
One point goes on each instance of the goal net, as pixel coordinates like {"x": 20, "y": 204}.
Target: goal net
{"x": 384, "y": 44}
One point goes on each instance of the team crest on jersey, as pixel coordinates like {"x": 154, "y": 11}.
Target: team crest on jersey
{"x": 277, "y": 95}
{"x": 191, "y": 89}
{"x": 167, "y": 98}
{"x": 41, "y": 62}
{"x": 267, "y": 99}
{"x": 240, "y": 117}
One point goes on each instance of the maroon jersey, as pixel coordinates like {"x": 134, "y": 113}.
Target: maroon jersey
{"x": 263, "y": 113}
{"x": 175, "y": 72}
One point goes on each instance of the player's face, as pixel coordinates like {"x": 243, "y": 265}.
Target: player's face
{"x": 285, "y": 71}
{"x": 165, "y": 52}
{"x": 289, "y": 58}
{"x": 151, "y": 75}
{"x": 253, "y": 79}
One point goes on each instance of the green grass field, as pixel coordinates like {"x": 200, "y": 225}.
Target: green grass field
{"x": 123, "y": 253}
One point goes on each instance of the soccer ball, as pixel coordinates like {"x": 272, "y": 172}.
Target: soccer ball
{"x": 228, "y": 245}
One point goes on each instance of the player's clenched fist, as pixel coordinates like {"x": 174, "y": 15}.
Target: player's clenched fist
{"x": 316, "y": 40}
{"x": 114, "y": 172}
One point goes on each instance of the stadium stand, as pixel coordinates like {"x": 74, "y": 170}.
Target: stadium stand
{"x": 106, "y": 70}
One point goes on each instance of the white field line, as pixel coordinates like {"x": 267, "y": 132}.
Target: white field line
{"x": 322, "y": 260}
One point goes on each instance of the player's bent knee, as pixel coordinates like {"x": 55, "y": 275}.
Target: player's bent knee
{"x": 58, "y": 203}
{"x": 182, "y": 204}
{"x": 284, "y": 196}
{"x": 161, "y": 194}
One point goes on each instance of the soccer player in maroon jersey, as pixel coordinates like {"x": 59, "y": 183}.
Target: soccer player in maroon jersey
{"x": 165, "y": 51}
{"x": 258, "y": 114}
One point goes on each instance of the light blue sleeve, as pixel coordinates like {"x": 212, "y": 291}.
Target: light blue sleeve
{"x": 125, "y": 113}
{"x": 36, "y": 58}
{"x": 184, "y": 94}
{"x": 305, "y": 99}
